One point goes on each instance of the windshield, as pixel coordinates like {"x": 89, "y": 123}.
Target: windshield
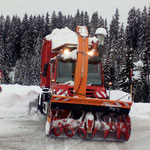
{"x": 94, "y": 74}
{"x": 66, "y": 72}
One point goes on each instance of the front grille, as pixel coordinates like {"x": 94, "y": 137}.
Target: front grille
{"x": 89, "y": 92}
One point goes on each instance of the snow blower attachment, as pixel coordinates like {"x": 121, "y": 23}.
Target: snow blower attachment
{"x": 74, "y": 97}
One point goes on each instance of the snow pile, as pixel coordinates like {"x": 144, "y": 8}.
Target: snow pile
{"x": 62, "y": 36}
{"x": 65, "y": 36}
{"x": 140, "y": 110}
{"x": 14, "y": 100}
{"x": 119, "y": 95}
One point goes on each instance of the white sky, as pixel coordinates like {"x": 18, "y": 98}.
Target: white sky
{"x": 106, "y": 8}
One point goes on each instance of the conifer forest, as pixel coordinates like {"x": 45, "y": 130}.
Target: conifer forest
{"x": 127, "y": 46}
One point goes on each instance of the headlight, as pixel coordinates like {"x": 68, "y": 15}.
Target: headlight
{"x": 90, "y": 53}
{"x": 66, "y": 51}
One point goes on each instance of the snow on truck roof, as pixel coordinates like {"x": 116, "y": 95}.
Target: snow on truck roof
{"x": 65, "y": 36}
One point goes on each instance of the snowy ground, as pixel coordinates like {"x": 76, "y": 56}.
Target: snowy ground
{"x": 20, "y": 131}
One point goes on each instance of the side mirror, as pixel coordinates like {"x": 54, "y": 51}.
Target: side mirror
{"x": 44, "y": 73}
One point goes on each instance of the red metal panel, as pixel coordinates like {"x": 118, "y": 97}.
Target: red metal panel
{"x": 46, "y": 55}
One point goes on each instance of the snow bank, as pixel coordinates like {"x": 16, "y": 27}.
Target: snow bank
{"x": 65, "y": 36}
{"x": 14, "y": 100}
{"x": 140, "y": 110}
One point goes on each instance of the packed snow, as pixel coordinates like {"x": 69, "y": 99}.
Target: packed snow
{"x": 65, "y": 36}
{"x": 14, "y": 100}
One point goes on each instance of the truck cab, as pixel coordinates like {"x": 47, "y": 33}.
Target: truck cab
{"x": 62, "y": 74}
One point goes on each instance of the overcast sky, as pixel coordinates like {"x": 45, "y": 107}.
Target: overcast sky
{"x": 106, "y": 8}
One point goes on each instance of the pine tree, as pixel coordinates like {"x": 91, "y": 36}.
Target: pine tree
{"x": 41, "y": 27}
{"x": 132, "y": 31}
{"x": 142, "y": 31}
{"x": 114, "y": 29}
{"x": 53, "y": 21}
{"x": 82, "y": 18}
{"x": 125, "y": 73}
{"x": 65, "y": 22}
{"x": 8, "y": 46}
{"x": 146, "y": 62}
{"x": 17, "y": 36}
{"x": 72, "y": 23}
{"x": 120, "y": 50}
{"x": 60, "y": 22}
{"x": 78, "y": 19}
{"x": 101, "y": 22}
{"x": 24, "y": 24}
{"x": 112, "y": 40}
{"x": 36, "y": 63}
{"x": 94, "y": 23}
{"x": 86, "y": 20}
{"x": 22, "y": 74}
{"x": 2, "y": 52}
{"x": 48, "y": 28}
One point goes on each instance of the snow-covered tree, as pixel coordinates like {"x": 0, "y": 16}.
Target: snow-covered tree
{"x": 132, "y": 31}
{"x": 125, "y": 72}
{"x": 53, "y": 21}
{"x": 114, "y": 29}
{"x": 120, "y": 54}
{"x": 78, "y": 19}
{"x": 101, "y": 22}
{"x": 94, "y": 24}
{"x": 47, "y": 24}
{"x": 2, "y": 50}
{"x": 86, "y": 20}
{"x": 60, "y": 20}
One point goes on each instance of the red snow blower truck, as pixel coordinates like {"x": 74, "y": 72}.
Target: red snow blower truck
{"x": 73, "y": 94}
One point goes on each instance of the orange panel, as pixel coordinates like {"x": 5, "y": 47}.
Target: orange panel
{"x": 90, "y": 101}
{"x": 81, "y": 65}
